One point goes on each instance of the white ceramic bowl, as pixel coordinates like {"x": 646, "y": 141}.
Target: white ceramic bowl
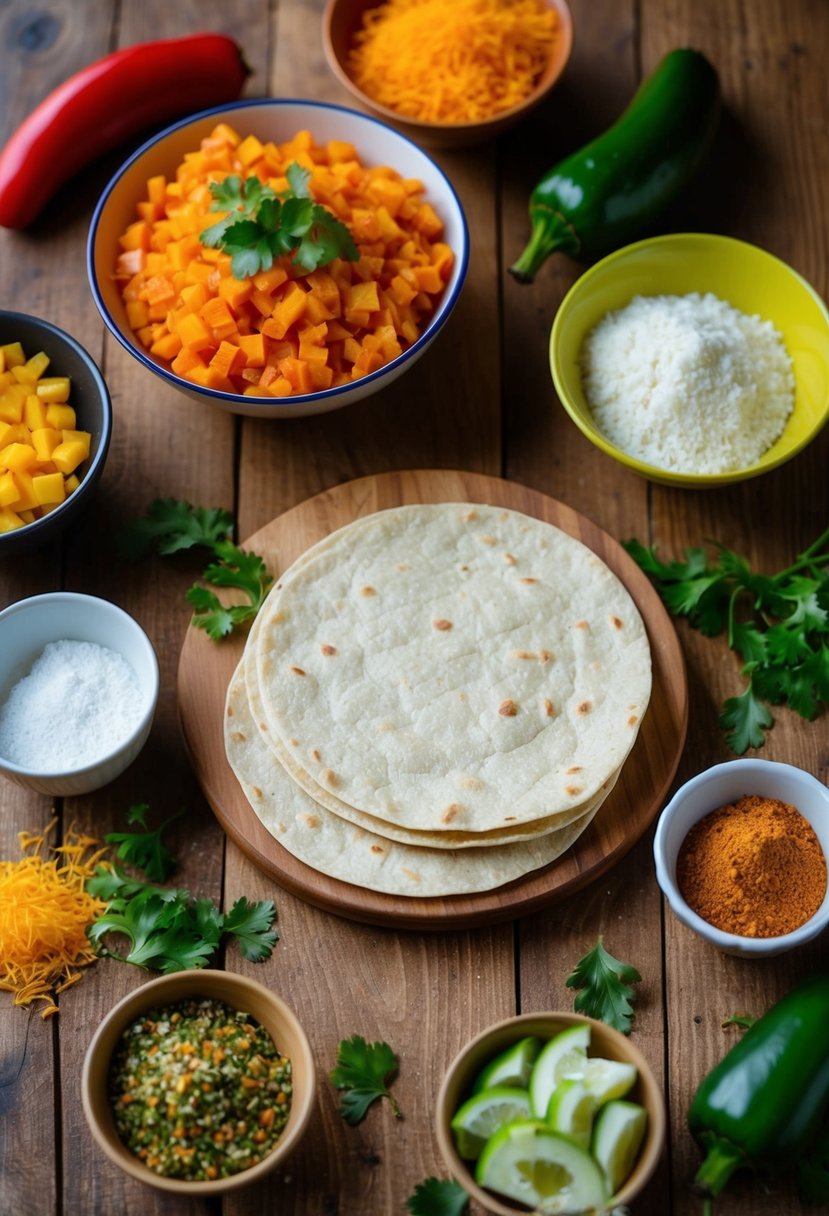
{"x": 27, "y": 626}
{"x": 277, "y": 120}
{"x": 716, "y": 787}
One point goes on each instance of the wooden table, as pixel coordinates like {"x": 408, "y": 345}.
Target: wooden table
{"x": 481, "y": 399}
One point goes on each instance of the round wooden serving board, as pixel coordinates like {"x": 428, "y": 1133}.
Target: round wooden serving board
{"x": 205, "y": 669}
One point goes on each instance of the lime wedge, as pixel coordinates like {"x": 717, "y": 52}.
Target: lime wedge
{"x": 571, "y": 1110}
{"x": 529, "y": 1162}
{"x": 512, "y": 1067}
{"x": 609, "y": 1079}
{"x": 486, "y": 1113}
{"x": 564, "y": 1056}
{"x": 617, "y": 1138}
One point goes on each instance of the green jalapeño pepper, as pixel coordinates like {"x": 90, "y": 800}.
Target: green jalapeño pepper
{"x": 604, "y": 195}
{"x": 763, "y": 1104}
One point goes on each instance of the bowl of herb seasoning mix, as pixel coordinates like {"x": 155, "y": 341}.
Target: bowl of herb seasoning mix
{"x": 199, "y": 1082}
{"x": 78, "y": 691}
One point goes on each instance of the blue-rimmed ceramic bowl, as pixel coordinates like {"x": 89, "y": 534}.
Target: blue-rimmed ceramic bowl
{"x": 276, "y": 120}
{"x": 90, "y": 399}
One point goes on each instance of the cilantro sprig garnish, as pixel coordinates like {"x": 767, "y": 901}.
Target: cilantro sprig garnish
{"x": 175, "y": 526}
{"x": 438, "y": 1197}
{"x": 168, "y": 930}
{"x": 605, "y": 987}
{"x": 261, "y": 225}
{"x": 363, "y": 1072}
{"x": 778, "y": 624}
{"x": 146, "y": 849}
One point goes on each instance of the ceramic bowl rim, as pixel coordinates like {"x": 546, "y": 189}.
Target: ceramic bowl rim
{"x": 588, "y": 427}
{"x": 129, "y": 623}
{"x": 144, "y": 997}
{"x": 747, "y": 947}
{"x": 516, "y": 1025}
{"x": 333, "y": 395}
{"x": 41, "y": 526}
{"x": 424, "y": 126}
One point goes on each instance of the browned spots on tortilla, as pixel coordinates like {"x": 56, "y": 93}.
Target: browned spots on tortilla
{"x": 238, "y": 737}
{"x": 633, "y": 719}
{"x": 548, "y": 707}
{"x": 297, "y": 671}
{"x": 510, "y": 818}
{"x": 572, "y": 790}
{"x": 529, "y": 581}
{"x": 230, "y": 711}
{"x": 278, "y": 617}
{"x": 442, "y": 625}
{"x": 311, "y": 820}
{"x": 452, "y": 811}
{"x": 575, "y": 768}
{"x": 510, "y": 559}
{"x": 584, "y": 708}
{"x": 487, "y": 540}
{"x": 294, "y": 742}
{"x": 263, "y": 726}
{"x": 328, "y": 650}
{"x": 461, "y": 696}
{"x": 616, "y": 623}
{"x": 367, "y": 591}
{"x": 267, "y": 667}
{"x": 471, "y": 783}
{"x": 402, "y": 566}
{"x": 384, "y": 727}
{"x": 377, "y": 848}
{"x": 523, "y": 654}
{"x": 314, "y": 754}
{"x": 413, "y": 874}
{"x": 545, "y": 656}
{"x": 257, "y": 793}
{"x": 582, "y": 625}
{"x": 330, "y": 777}
{"x": 470, "y": 515}
{"x": 508, "y": 709}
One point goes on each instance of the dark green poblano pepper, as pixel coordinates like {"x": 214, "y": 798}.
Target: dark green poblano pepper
{"x": 608, "y": 192}
{"x": 763, "y": 1105}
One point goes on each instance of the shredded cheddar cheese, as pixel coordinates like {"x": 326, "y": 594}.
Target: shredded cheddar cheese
{"x": 44, "y": 914}
{"x": 452, "y": 61}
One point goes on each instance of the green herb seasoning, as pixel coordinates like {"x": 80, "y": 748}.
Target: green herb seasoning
{"x": 199, "y": 1090}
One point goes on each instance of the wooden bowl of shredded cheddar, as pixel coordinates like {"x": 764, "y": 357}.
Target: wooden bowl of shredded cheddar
{"x": 448, "y": 73}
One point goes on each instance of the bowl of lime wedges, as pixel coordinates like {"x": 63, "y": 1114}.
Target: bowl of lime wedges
{"x": 551, "y": 1112}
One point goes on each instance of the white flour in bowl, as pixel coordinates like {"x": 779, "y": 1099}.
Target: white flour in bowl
{"x": 688, "y": 383}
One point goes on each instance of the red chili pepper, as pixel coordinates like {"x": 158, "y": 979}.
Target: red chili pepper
{"x": 104, "y": 104}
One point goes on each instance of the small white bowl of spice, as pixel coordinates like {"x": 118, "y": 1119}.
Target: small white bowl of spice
{"x": 78, "y": 690}
{"x": 741, "y": 852}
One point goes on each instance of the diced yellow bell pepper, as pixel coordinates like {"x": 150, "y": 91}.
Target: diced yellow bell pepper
{"x": 8, "y": 489}
{"x": 25, "y": 492}
{"x": 13, "y": 354}
{"x": 61, "y": 417}
{"x": 34, "y": 412}
{"x": 53, "y": 389}
{"x": 45, "y": 440}
{"x": 18, "y": 457}
{"x": 10, "y": 520}
{"x": 48, "y": 488}
{"x": 67, "y": 456}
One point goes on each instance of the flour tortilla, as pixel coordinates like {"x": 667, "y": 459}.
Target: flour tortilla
{"x": 454, "y": 667}
{"x": 508, "y": 833}
{"x": 333, "y": 846}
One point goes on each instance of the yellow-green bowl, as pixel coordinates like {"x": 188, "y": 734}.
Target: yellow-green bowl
{"x": 748, "y": 278}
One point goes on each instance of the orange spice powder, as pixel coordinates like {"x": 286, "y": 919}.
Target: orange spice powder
{"x": 754, "y": 868}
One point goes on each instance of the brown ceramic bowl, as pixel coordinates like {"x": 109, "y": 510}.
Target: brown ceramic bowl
{"x": 240, "y": 993}
{"x": 344, "y": 17}
{"x": 605, "y": 1042}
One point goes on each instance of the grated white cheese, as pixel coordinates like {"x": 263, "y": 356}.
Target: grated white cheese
{"x": 688, "y": 383}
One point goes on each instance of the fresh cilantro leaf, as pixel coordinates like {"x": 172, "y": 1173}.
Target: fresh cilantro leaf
{"x": 251, "y": 925}
{"x": 145, "y": 850}
{"x": 260, "y": 226}
{"x": 605, "y": 985}
{"x": 167, "y": 930}
{"x": 781, "y": 632}
{"x": 743, "y": 1020}
{"x": 438, "y": 1197}
{"x": 362, "y": 1072}
{"x": 745, "y": 718}
{"x": 174, "y": 526}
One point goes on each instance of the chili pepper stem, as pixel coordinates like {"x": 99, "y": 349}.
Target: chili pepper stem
{"x": 549, "y": 233}
{"x": 720, "y": 1163}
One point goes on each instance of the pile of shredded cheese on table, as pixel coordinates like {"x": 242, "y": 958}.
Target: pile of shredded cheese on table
{"x": 44, "y": 914}
{"x": 452, "y": 61}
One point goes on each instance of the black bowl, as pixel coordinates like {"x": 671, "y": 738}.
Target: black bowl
{"x": 93, "y": 408}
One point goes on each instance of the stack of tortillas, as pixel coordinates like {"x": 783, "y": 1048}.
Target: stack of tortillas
{"x": 437, "y": 699}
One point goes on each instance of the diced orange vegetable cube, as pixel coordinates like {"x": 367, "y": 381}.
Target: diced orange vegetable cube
{"x": 235, "y": 291}
{"x": 10, "y": 520}
{"x": 25, "y": 491}
{"x": 194, "y": 333}
{"x": 218, "y": 317}
{"x": 185, "y": 361}
{"x": 227, "y": 360}
{"x": 53, "y": 389}
{"x": 32, "y": 369}
{"x": 45, "y": 440}
{"x": 18, "y": 457}
{"x": 8, "y": 489}
{"x": 253, "y": 347}
{"x": 82, "y": 437}
{"x": 34, "y": 412}
{"x": 13, "y": 356}
{"x": 48, "y": 488}
{"x": 67, "y": 456}
{"x": 61, "y": 417}
{"x": 166, "y": 347}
